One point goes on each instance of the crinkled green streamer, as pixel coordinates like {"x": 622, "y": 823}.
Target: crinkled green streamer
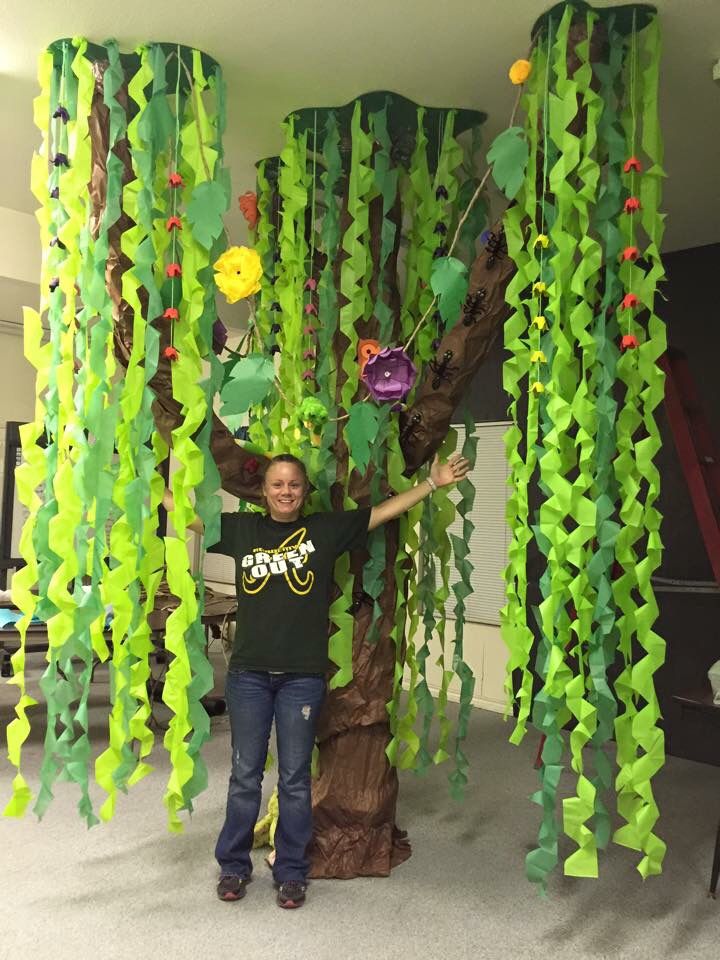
{"x": 591, "y": 459}
{"x": 640, "y": 740}
{"x": 100, "y": 464}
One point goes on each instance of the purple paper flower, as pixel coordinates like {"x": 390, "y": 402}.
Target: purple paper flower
{"x": 275, "y": 306}
{"x": 54, "y": 284}
{"x": 61, "y": 160}
{"x": 274, "y": 349}
{"x": 61, "y": 114}
{"x": 219, "y": 336}
{"x": 440, "y": 228}
{"x": 484, "y": 237}
{"x": 57, "y": 242}
{"x": 441, "y": 193}
{"x": 275, "y": 328}
{"x": 390, "y": 374}
{"x": 55, "y": 193}
{"x": 439, "y": 252}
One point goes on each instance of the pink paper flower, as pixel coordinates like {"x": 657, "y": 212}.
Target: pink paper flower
{"x": 311, "y": 284}
{"x": 628, "y": 342}
{"x": 309, "y": 330}
{"x": 311, "y": 309}
{"x": 173, "y": 270}
{"x": 308, "y": 375}
{"x": 629, "y": 301}
{"x": 171, "y": 314}
{"x": 309, "y": 354}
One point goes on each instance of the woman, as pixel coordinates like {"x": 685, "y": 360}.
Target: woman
{"x": 284, "y": 572}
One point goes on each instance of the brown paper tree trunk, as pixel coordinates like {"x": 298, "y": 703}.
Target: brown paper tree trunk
{"x": 355, "y": 794}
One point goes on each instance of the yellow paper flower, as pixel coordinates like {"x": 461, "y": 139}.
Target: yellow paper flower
{"x": 543, "y": 240}
{"x": 537, "y": 356}
{"x": 540, "y": 322}
{"x": 238, "y": 273}
{"x": 520, "y": 71}
{"x": 539, "y": 288}
{"x": 537, "y": 387}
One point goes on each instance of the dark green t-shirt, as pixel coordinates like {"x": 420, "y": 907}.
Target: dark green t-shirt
{"x": 283, "y": 578}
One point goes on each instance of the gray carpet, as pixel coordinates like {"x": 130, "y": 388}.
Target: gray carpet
{"x": 128, "y": 890}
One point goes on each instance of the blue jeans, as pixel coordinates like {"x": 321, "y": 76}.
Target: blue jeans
{"x": 253, "y": 699}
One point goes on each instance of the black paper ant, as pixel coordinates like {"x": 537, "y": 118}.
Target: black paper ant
{"x": 496, "y": 247}
{"x": 474, "y": 306}
{"x": 410, "y": 426}
{"x": 442, "y": 369}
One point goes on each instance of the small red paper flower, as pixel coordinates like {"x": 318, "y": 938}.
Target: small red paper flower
{"x": 632, "y": 164}
{"x": 629, "y": 301}
{"x": 311, "y": 284}
{"x": 173, "y": 270}
{"x": 309, "y": 330}
{"x": 173, "y": 223}
{"x": 249, "y": 208}
{"x": 175, "y": 180}
{"x": 251, "y": 465}
{"x": 628, "y": 342}
{"x": 630, "y": 253}
{"x": 310, "y": 308}
{"x": 309, "y": 354}
{"x": 171, "y": 314}
{"x": 308, "y": 375}
{"x": 632, "y": 204}
{"x": 170, "y": 353}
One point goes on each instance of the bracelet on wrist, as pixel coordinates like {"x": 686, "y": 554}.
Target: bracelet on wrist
{"x": 431, "y": 483}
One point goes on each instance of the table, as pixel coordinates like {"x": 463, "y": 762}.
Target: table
{"x": 219, "y": 609}
{"x": 702, "y": 701}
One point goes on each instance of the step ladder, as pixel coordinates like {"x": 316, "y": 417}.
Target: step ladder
{"x": 696, "y": 450}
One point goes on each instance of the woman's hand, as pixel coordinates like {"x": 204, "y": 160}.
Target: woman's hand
{"x": 445, "y": 474}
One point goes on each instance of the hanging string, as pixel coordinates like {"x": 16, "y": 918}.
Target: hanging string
{"x": 312, "y": 212}
{"x": 633, "y": 136}
{"x": 174, "y": 191}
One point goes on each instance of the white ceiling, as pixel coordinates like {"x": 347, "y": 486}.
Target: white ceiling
{"x": 279, "y": 55}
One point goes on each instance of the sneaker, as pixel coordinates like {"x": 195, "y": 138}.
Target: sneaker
{"x": 291, "y": 894}
{"x": 231, "y": 887}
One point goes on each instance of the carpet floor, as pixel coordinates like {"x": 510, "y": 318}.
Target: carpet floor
{"x": 129, "y": 890}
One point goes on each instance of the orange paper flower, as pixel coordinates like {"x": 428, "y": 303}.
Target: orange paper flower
{"x": 367, "y": 349}
{"x": 630, "y": 253}
{"x": 249, "y": 208}
{"x": 520, "y": 71}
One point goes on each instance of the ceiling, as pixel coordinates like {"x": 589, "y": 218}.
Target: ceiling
{"x": 280, "y": 55}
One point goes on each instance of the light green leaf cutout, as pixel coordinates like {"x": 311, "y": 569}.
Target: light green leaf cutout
{"x": 249, "y": 383}
{"x": 449, "y": 281}
{"x": 205, "y": 212}
{"x": 360, "y": 433}
{"x": 508, "y": 156}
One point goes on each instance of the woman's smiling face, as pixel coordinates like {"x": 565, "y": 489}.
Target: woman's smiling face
{"x": 284, "y": 490}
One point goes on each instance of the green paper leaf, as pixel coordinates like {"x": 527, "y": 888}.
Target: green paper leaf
{"x": 250, "y": 383}
{"x": 508, "y": 156}
{"x": 360, "y": 433}
{"x": 449, "y": 281}
{"x": 205, "y": 212}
